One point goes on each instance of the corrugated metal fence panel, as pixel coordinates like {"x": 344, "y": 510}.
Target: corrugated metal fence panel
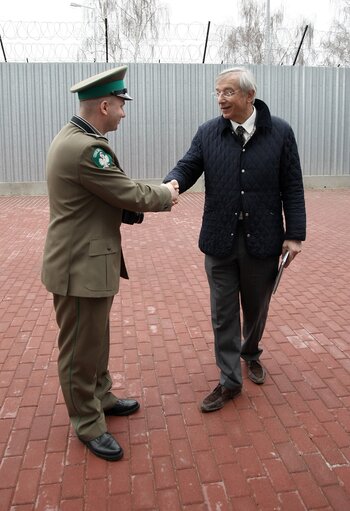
{"x": 170, "y": 101}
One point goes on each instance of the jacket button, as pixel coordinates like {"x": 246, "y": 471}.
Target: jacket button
{"x": 243, "y": 170}
{"x": 248, "y": 235}
{"x": 242, "y": 192}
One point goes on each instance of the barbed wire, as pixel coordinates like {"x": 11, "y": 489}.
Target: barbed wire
{"x": 176, "y": 43}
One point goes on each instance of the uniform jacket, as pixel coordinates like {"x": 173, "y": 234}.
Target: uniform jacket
{"x": 263, "y": 180}
{"x": 87, "y": 192}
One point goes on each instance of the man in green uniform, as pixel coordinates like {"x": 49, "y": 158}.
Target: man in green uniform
{"x": 88, "y": 195}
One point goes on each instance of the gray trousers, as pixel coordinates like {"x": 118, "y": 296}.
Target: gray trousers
{"x": 83, "y": 344}
{"x": 239, "y": 281}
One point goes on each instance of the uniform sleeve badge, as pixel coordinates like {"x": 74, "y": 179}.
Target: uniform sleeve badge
{"x": 102, "y": 159}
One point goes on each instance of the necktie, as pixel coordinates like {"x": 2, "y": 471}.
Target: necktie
{"x": 240, "y": 134}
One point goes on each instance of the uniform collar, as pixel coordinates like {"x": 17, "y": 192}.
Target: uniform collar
{"x": 85, "y": 126}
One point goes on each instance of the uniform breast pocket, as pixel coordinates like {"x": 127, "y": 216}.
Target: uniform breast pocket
{"x": 103, "y": 265}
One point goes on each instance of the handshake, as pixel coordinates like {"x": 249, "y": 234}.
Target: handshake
{"x": 173, "y": 187}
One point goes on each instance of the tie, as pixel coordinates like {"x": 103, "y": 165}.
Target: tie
{"x": 240, "y": 134}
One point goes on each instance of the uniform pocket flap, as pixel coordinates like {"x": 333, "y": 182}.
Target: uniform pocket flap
{"x": 103, "y": 247}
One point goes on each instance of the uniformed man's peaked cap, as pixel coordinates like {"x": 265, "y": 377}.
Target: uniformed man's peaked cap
{"x": 103, "y": 84}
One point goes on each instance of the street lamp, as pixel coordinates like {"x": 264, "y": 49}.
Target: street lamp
{"x": 74, "y": 4}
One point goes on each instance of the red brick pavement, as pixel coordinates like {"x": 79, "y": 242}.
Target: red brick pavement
{"x": 281, "y": 446}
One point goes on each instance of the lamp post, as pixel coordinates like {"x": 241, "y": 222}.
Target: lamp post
{"x": 74, "y": 4}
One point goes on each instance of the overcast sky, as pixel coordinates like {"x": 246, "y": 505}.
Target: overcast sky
{"x": 320, "y": 12}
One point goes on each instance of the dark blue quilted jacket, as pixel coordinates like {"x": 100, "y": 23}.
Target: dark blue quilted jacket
{"x": 261, "y": 180}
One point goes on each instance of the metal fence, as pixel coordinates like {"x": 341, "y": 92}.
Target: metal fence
{"x": 176, "y": 43}
{"x": 170, "y": 101}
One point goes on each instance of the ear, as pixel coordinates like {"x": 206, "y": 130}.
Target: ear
{"x": 104, "y": 107}
{"x": 250, "y": 96}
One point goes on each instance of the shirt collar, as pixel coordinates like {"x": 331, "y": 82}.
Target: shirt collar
{"x": 248, "y": 125}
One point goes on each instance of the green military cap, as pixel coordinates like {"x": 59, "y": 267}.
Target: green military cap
{"x": 103, "y": 84}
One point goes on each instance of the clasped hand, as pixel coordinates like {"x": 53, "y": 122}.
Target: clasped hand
{"x": 173, "y": 187}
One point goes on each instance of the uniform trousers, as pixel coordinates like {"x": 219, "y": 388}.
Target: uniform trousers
{"x": 83, "y": 344}
{"x": 240, "y": 286}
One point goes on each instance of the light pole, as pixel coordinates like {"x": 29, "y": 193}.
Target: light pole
{"x": 74, "y": 4}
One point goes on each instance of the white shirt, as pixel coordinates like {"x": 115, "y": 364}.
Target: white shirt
{"x": 248, "y": 125}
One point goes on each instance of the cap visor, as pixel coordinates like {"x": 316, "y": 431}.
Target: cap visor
{"x": 125, "y": 96}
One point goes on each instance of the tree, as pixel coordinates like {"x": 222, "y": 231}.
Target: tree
{"x": 246, "y": 43}
{"x": 302, "y": 34}
{"x": 133, "y": 28}
{"x": 336, "y": 44}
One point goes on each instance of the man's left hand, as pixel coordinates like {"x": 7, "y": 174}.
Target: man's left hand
{"x": 293, "y": 247}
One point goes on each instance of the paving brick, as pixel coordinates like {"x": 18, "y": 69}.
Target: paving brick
{"x": 291, "y": 501}
{"x": 17, "y": 443}
{"x": 53, "y": 468}
{"x": 189, "y": 486}
{"x": 207, "y": 467}
{"x": 320, "y": 470}
{"x": 159, "y": 441}
{"x": 302, "y": 440}
{"x": 168, "y": 500}
{"x": 9, "y": 471}
{"x": 235, "y": 480}
{"x": 164, "y": 473}
{"x": 119, "y": 477}
{"x": 264, "y": 493}
{"x": 275, "y": 430}
{"x": 27, "y": 486}
{"x": 286, "y": 437}
{"x": 73, "y": 482}
{"x": 143, "y": 494}
{"x": 291, "y": 457}
{"x": 176, "y": 427}
{"x": 249, "y": 462}
{"x": 337, "y": 497}
{"x": 5, "y": 499}
{"x": 122, "y": 502}
{"x": 140, "y": 458}
{"x": 331, "y": 453}
{"x": 215, "y": 496}
{"x": 35, "y": 454}
{"x": 311, "y": 494}
{"x": 198, "y": 438}
{"x": 182, "y": 453}
{"x": 49, "y": 496}
{"x": 96, "y": 494}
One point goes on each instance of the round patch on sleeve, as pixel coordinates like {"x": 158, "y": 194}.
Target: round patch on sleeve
{"x": 101, "y": 159}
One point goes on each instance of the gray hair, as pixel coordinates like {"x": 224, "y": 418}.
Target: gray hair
{"x": 247, "y": 80}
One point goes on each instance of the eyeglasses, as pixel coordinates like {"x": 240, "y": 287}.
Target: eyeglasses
{"x": 227, "y": 93}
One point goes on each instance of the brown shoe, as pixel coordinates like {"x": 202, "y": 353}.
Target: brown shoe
{"x": 218, "y": 397}
{"x": 256, "y": 372}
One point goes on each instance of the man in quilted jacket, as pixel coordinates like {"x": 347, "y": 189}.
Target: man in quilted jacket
{"x": 254, "y": 211}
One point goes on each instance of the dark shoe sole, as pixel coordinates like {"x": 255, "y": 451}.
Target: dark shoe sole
{"x": 111, "y": 413}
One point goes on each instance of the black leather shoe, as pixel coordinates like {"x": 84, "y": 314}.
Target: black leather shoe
{"x": 105, "y": 446}
{"x": 256, "y": 372}
{"x": 123, "y": 407}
